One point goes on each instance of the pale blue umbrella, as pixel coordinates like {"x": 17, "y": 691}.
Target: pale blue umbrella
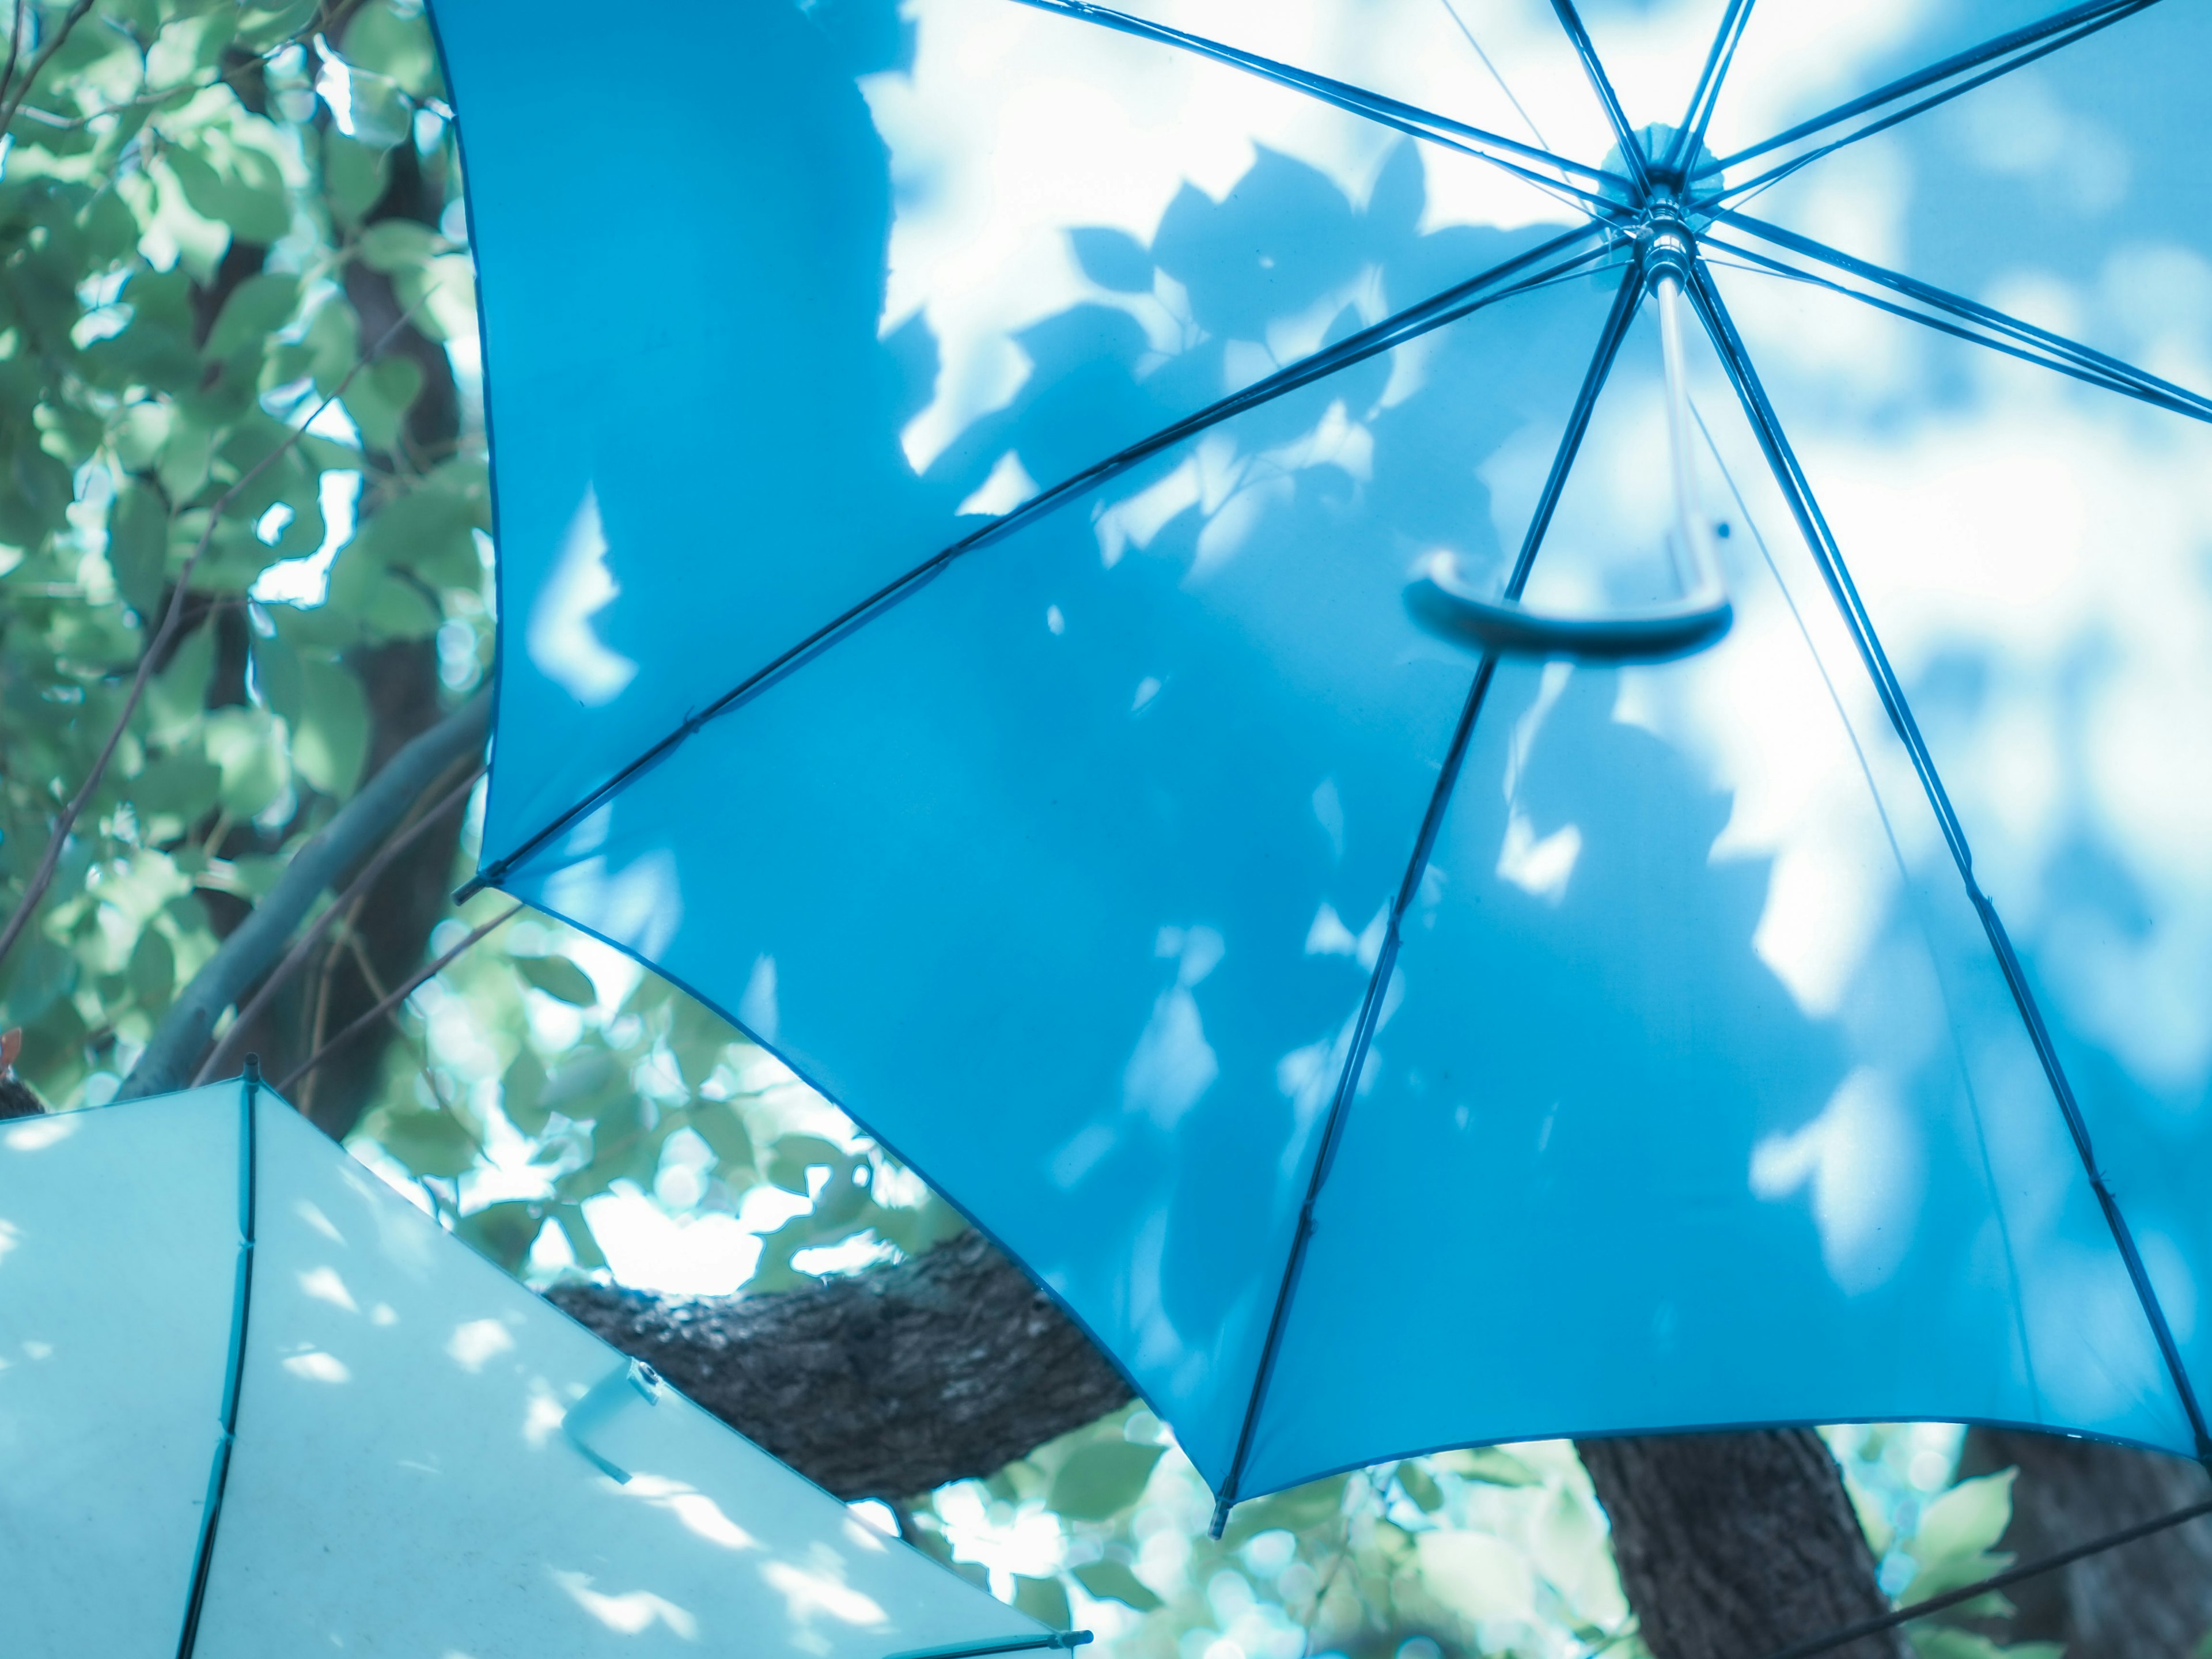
{"x": 959, "y": 470}
{"x": 252, "y": 1402}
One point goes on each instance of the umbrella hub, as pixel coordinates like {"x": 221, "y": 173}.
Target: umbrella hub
{"x": 1670, "y": 184}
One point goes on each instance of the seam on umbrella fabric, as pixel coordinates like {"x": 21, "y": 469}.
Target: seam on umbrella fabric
{"x": 1626, "y": 305}
{"x": 1631, "y": 151}
{"x": 1358, "y": 100}
{"x": 1918, "y": 909}
{"x": 1452, "y": 11}
{"x": 2098, "y": 14}
{"x": 1774, "y": 175}
{"x": 1798, "y": 492}
{"x": 1707, "y": 95}
{"x": 1437, "y": 311}
{"x": 2085, "y": 362}
{"x": 249, "y": 1087}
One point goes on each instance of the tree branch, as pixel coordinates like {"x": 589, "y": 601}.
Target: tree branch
{"x": 876, "y": 1384}
{"x": 223, "y": 1052}
{"x": 392, "y": 1000}
{"x": 157, "y": 648}
{"x": 174, "y": 1050}
{"x": 12, "y": 102}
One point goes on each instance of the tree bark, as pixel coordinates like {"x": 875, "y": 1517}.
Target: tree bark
{"x": 1737, "y": 1545}
{"x": 881, "y": 1384}
{"x": 2151, "y": 1600}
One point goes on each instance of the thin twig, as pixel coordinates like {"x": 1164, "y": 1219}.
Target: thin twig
{"x": 399, "y": 994}
{"x": 355, "y": 890}
{"x": 163, "y": 94}
{"x": 14, "y": 46}
{"x": 14, "y": 100}
{"x": 157, "y": 648}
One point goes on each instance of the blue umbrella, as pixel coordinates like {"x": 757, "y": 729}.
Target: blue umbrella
{"x": 1339, "y": 664}
{"x": 252, "y": 1402}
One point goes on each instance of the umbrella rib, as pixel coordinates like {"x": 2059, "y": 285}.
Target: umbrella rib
{"x": 1448, "y": 306}
{"x": 2065, "y": 355}
{"x": 1389, "y": 111}
{"x": 1624, "y": 306}
{"x": 2073, "y": 24}
{"x": 1797, "y": 488}
{"x": 241, "y": 1302}
{"x": 1632, "y": 152}
{"x": 1691, "y": 133}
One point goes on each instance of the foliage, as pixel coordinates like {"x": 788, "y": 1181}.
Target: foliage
{"x": 193, "y": 228}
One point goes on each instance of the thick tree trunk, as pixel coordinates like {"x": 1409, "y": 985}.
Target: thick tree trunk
{"x": 1736, "y": 1546}
{"x": 2151, "y": 1600}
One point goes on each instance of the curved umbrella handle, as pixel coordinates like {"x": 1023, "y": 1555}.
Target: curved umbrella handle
{"x": 1443, "y": 600}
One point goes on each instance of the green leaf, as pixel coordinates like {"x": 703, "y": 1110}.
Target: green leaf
{"x": 1116, "y": 1581}
{"x": 379, "y": 39}
{"x": 522, "y": 1093}
{"x": 1494, "y": 1467}
{"x": 330, "y": 737}
{"x": 428, "y": 1143}
{"x": 724, "y": 1131}
{"x": 152, "y": 971}
{"x": 1417, "y": 1484}
{"x": 504, "y": 1231}
{"x": 1295, "y": 1510}
{"x": 39, "y": 975}
{"x": 1102, "y": 1480}
{"x": 380, "y": 397}
{"x": 584, "y": 1084}
{"x": 353, "y": 175}
{"x": 390, "y": 245}
{"x": 793, "y": 1155}
{"x": 1044, "y": 1599}
{"x": 581, "y": 1244}
{"x": 1966, "y": 1519}
{"x": 560, "y": 978}
{"x": 243, "y": 741}
{"x": 182, "y": 784}
{"x": 248, "y": 195}
{"x": 256, "y": 308}
{"x": 138, "y": 546}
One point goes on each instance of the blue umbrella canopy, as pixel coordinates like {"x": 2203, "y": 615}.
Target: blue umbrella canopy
{"x": 960, "y": 469}
{"x": 252, "y": 1402}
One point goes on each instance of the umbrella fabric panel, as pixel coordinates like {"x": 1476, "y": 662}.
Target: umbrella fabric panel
{"x": 2032, "y": 554}
{"x": 1700, "y": 1099}
{"x": 1155, "y": 764}
{"x": 403, "y": 1479}
{"x": 1501, "y": 65}
{"x": 955, "y": 262}
{"x": 2075, "y": 193}
{"x": 2079, "y": 194}
{"x": 1795, "y": 62}
{"x": 119, "y": 1256}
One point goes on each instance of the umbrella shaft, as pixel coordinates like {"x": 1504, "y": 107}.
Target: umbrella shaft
{"x": 1696, "y": 568}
